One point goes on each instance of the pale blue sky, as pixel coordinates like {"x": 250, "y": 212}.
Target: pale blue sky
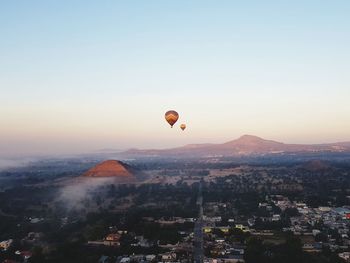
{"x": 82, "y": 75}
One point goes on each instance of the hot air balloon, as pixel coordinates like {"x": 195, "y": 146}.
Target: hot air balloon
{"x": 183, "y": 126}
{"x": 171, "y": 117}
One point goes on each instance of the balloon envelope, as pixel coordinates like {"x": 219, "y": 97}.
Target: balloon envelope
{"x": 171, "y": 117}
{"x": 183, "y": 126}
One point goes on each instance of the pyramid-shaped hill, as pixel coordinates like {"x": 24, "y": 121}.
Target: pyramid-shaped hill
{"x": 112, "y": 168}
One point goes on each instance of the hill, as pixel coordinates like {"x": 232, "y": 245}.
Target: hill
{"x": 111, "y": 168}
{"x": 244, "y": 146}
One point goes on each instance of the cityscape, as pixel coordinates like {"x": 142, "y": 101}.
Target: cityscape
{"x": 290, "y": 207}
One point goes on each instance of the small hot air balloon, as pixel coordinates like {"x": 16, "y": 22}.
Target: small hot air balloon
{"x": 171, "y": 117}
{"x": 183, "y": 126}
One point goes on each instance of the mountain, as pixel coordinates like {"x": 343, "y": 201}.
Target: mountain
{"x": 244, "y": 146}
{"x": 111, "y": 168}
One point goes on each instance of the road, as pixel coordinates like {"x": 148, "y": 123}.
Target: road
{"x": 198, "y": 253}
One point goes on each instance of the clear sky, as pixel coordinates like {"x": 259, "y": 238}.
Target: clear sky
{"x": 76, "y": 76}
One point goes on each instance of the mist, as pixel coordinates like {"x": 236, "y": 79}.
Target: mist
{"x": 80, "y": 190}
{"x": 13, "y": 163}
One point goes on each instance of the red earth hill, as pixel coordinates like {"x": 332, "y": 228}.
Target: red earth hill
{"x": 111, "y": 168}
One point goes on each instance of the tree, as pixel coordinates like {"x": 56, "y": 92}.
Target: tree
{"x": 255, "y": 252}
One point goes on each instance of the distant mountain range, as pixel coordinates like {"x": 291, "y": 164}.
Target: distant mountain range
{"x": 244, "y": 146}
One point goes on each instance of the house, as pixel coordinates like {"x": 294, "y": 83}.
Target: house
{"x": 225, "y": 229}
{"x": 276, "y": 217}
{"x": 242, "y": 227}
{"x": 112, "y": 240}
{"x": 237, "y": 251}
{"x": 35, "y": 220}
{"x": 251, "y": 222}
{"x": 137, "y": 258}
{"x": 169, "y": 256}
{"x": 150, "y": 257}
{"x": 342, "y": 211}
{"x": 345, "y": 256}
{"x": 24, "y": 254}
{"x": 214, "y": 219}
{"x": 142, "y": 242}
{"x": 315, "y": 232}
{"x": 6, "y": 244}
{"x": 316, "y": 247}
{"x": 207, "y": 229}
{"x": 32, "y": 239}
{"x": 230, "y": 259}
{"x": 324, "y": 208}
{"x": 125, "y": 260}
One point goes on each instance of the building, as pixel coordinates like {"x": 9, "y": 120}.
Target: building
{"x": 6, "y": 244}
{"x": 169, "y": 257}
{"x": 345, "y": 256}
{"x": 112, "y": 240}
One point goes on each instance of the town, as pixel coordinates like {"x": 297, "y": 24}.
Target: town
{"x": 202, "y": 213}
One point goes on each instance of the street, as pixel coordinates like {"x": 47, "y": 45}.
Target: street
{"x": 198, "y": 230}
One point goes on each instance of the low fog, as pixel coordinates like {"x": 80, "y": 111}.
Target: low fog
{"x": 13, "y": 163}
{"x": 76, "y": 192}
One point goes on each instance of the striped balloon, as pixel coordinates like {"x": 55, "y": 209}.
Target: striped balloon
{"x": 183, "y": 126}
{"x": 171, "y": 117}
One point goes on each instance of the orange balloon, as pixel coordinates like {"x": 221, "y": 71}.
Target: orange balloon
{"x": 171, "y": 117}
{"x": 183, "y": 126}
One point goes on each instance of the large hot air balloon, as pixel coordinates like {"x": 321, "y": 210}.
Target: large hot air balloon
{"x": 171, "y": 117}
{"x": 183, "y": 126}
